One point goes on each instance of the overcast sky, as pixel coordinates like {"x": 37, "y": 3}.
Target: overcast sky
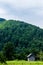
{"x": 30, "y": 11}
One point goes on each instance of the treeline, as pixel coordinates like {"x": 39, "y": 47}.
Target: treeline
{"x": 22, "y": 37}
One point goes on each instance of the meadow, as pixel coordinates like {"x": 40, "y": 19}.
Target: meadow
{"x": 23, "y": 63}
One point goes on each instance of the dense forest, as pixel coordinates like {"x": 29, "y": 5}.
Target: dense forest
{"x": 23, "y": 38}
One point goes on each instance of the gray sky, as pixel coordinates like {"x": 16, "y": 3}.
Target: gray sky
{"x": 30, "y": 11}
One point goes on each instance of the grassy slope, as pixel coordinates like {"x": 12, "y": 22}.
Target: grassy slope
{"x": 24, "y": 63}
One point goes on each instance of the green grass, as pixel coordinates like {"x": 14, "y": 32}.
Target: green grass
{"x": 23, "y": 63}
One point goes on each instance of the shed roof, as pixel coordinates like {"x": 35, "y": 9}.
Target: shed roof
{"x": 30, "y": 55}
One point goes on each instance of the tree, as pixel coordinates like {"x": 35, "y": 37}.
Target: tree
{"x": 8, "y": 51}
{"x": 41, "y": 55}
{"x": 2, "y": 58}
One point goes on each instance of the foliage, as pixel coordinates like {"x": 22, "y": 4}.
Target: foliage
{"x": 40, "y": 55}
{"x": 2, "y": 58}
{"x": 8, "y": 51}
{"x": 2, "y": 19}
{"x": 26, "y": 38}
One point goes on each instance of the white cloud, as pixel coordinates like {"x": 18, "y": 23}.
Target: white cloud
{"x": 40, "y": 12}
{"x": 2, "y": 11}
{"x": 27, "y": 10}
{"x": 24, "y": 3}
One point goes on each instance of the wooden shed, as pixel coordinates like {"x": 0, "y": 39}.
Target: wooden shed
{"x": 31, "y": 57}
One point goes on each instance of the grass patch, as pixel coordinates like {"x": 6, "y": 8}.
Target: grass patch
{"x": 23, "y": 63}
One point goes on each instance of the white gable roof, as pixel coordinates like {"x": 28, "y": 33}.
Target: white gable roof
{"x": 29, "y": 55}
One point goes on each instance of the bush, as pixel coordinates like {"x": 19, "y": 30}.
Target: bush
{"x": 2, "y": 58}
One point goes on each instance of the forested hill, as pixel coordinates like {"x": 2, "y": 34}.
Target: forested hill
{"x": 26, "y": 37}
{"x": 2, "y": 19}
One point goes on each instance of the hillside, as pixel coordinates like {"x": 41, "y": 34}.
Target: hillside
{"x": 27, "y": 38}
{"x": 2, "y": 19}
